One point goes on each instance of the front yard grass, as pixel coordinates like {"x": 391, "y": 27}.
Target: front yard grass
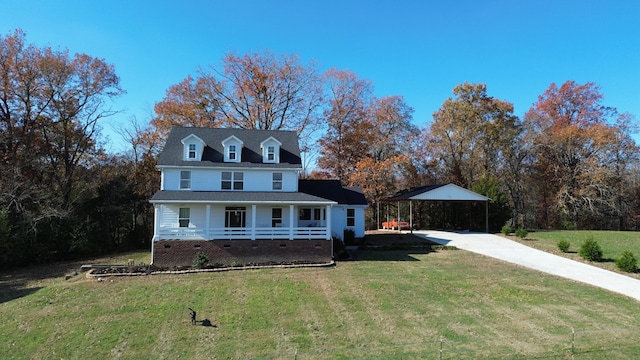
{"x": 395, "y": 304}
{"x": 613, "y": 243}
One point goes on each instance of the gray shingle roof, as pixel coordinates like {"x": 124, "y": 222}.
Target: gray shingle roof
{"x": 213, "y": 155}
{"x": 237, "y": 197}
{"x": 333, "y": 190}
{"x": 407, "y": 194}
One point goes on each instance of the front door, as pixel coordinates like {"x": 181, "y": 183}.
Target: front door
{"x": 235, "y": 217}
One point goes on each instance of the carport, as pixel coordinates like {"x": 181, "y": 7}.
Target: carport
{"x": 442, "y": 192}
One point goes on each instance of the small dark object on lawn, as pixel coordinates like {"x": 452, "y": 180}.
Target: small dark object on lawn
{"x": 193, "y": 316}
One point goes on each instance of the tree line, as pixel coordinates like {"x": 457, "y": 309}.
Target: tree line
{"x": 570, "y": 162}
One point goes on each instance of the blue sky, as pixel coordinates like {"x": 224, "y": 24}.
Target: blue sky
{"x": 418, "y": 49}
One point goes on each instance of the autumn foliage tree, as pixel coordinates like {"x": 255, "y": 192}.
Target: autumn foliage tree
{"x": 51, "y": 104}
{"x": 471, "y": 139}
{"x": 348, "y": 128}
{"x": 575, "y": 139}
{"x": 252, "y": 91}
{"x": 467, "y": 134}
{"x": 361, "y": 127}
{"x": 366, "y": 139}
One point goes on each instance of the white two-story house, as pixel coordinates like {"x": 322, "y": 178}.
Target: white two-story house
{"x": 234, "y": 195}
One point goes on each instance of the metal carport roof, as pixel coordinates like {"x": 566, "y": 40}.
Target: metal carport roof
{"x": 440, "y": 192}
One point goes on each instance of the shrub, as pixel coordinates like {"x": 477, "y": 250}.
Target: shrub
{"x": 590, "y": 250}
{"x": 349, "y": 237}
{"x": 339, "y": 250}
{"x": 506, "y": 230}
{"x": 627, "y": 262}
{"x": 564, "y": 245}
{"x": 522, "y": 233}
{"x": 200, "y": 260}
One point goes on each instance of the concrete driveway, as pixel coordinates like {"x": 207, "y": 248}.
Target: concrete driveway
{"x": 504, "y": 249}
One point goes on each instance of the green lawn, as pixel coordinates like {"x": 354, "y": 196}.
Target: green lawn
{"x": 401, "y": 304}
{"x": 613, "y": 243}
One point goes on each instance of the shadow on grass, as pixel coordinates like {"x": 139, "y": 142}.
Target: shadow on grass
{"x": 15, "y": 290}
{"x": 20, "y": 282}
{"x": 207, "y": 323}
{"x": 369, "y": 254}
{"x": 392, "y": 246}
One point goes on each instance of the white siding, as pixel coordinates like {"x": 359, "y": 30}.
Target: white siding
{"x": 217, "y": 216}
{"x": 339, "y": 220}
{"x": 169, "y": 216}
{"x": 210, "y": 180}
{"x": 359, "y": 228}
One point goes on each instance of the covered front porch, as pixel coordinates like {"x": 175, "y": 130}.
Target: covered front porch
{"x": 309, "y": 219}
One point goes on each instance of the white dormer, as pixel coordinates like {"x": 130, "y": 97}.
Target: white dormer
{"x": 193, "y": 147}
{"x": 270, "y": 150}
{"x": 232, "y": 149}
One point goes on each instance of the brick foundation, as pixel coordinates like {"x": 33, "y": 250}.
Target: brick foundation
{"x": 178, "y": 253}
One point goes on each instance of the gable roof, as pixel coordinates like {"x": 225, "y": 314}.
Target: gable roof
{"x": 333, "y": 190}
{"x": 186, "y": 139}
{"x": 440, "y": 192}
{"x": 213, "y": 155}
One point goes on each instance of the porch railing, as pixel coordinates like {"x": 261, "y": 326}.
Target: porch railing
{"x": 259, "y": 233}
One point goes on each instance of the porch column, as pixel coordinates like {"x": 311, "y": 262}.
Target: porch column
{"x": 328, "y": 222}
{"x": 291, "y": 212}
{"x": 207, "y": 222}
{"x": 156, "y": 221}
{"x": 155, "y": 230}
{"x": 253, "y": 222}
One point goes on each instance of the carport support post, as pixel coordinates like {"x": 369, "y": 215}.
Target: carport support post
{"x": 486, "y": 215}
{"x": 411, "y": 216}
{"x": 378, "y": 225}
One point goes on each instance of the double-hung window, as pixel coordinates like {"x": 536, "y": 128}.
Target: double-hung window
{"x": 185, "y": 179}
{"x": 271, "y": 153}
{"x": 232, "y": 152}
{"x": 277, "y": 181}
{"x": 351, "y": 217}
{"x": 192, "y": 151}
{"x": 276, "y": 217}
{"x": 184, "y": 216}
{"x": 232, "y": 180}
{"x": 304, "y": 214}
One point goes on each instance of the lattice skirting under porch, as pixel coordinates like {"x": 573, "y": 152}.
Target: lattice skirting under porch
{"x": 180, "y": 253}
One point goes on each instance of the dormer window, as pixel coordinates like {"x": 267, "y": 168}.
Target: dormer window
{"x": 271, "y": 153}
{"x": 232, "y": 152}
{"x": 271, "y": 150}
{"x": 232, "y": 149}
{"x": 193, "y": 148}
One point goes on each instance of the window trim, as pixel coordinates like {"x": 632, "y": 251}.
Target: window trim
{"x": 351, "y": 218}
{"x": 271, "y": 153}
{"x": 233, "y": 152}
{"x": 314, "y": 214}
{"x": 192, "y": 151}
{"x": 275, "y": 220}
{"x": 184, "y": 214}
{"x": 185, "y": 181}
{"x": 235, "y": 181}
{"x": 305, "y": 214}
{"x": 276, "y": 184}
